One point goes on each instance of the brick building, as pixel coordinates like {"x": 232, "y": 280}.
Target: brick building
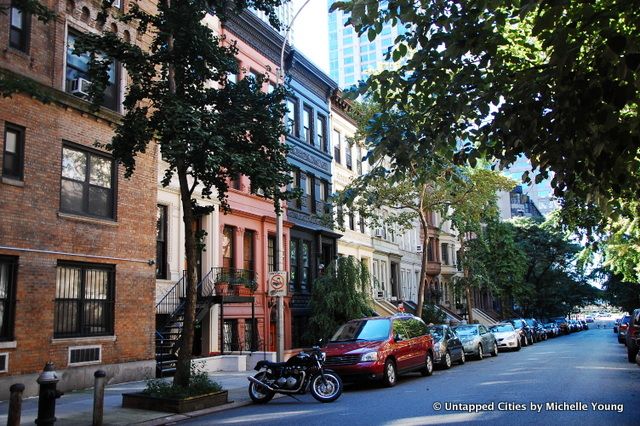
{"x": 76, "y": 238}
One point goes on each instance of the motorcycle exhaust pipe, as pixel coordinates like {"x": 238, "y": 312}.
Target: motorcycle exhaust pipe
{"x": 258, "y": 382}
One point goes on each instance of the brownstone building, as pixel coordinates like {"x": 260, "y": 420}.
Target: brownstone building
{"x": 77, "y": 239}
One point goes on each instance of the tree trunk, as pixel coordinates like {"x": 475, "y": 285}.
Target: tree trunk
{"x": 467, "y": 286}
{"x": 423, "y": 267}
{"x": 183, "y": 365}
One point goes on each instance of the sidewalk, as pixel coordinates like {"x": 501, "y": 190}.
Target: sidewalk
{"x": 76, "y": 408}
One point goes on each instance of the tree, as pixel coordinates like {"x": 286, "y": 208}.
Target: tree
{"x": 555, "y": 81}
{"x": 506, "y": 262}
{"x": 625, "y": 295}
{"x": 556, "y": 280}
{"x": 208, "y": 128}
{"x": 338, "y": 296}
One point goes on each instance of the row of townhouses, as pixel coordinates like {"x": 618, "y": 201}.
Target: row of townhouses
{"x": 88, "y": 257}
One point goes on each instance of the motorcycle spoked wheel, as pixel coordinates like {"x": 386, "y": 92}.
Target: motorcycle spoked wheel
{"x": 327, "y": 390}
{"x": 259, "y": 394}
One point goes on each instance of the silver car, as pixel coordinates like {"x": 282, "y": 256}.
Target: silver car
{"x": 507, "y": 336}
{"x": 477, "y": 340}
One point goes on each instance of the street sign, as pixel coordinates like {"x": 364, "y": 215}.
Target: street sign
{"x": 277, "y": 283}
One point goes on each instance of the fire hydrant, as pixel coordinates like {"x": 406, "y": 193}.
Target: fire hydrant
{"x": 47, "y": 396}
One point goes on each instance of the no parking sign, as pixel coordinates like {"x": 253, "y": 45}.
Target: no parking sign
{"x": 277, "y": 282}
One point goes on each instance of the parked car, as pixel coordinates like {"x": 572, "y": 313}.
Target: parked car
{"x": 526, "y": 334}
{"x": 632, "y": 336}
{"x": 477, "y": 340}
{"x": 622, "y": 329}
{"x": 585, "y": 326}
{"x": 381, "y": 348}
{"x": 536, "y": 329}
{"x": 552, "y": 329}
{"x": 616, "y": 324}
{"x": 447, "y": 347}
{"x": 506, "y": 335}
{"x": 562, "y": 324}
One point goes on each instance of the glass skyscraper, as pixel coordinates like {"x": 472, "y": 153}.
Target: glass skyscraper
{"x": 352, "y": 58}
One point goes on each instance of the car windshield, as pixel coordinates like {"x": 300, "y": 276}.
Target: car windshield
{"x": 530, "y": 322}
{"x": 501, "y": 327}
{"x": 369, "y": 330}
{"x": 517, "y": 323}
{"x": 468, "y": 330}
{"x": 436, "y": 331}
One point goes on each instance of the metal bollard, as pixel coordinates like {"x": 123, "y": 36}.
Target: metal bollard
{"x": 15, "y": 404}
{"x": 47, "y": 396}
{"x": 98, "y": 397}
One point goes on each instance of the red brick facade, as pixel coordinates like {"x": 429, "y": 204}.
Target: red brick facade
{"x": 35, "y": 230}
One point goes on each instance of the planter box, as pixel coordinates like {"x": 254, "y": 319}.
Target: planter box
{"x": 174, "y": 405}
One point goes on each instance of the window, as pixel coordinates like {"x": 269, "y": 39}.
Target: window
{"x": 249, "y": 261}
{"x": 352, "y": 221}
{"x": 362, "y": 224}
{"x": 445, "y": 253}
{"x": 13, "y": 155}
{"x": 359, "y": 160}
{"x": 84, "y": 300}
{"x": 300, "y": 264}
{"x": 321, "y": 129}
{"x": 323, "y": 194}
{"x": 292, "y": 117}
{"x": 337, "y": 146}
{"x": 307, "y": 126}
{"x": 271, "y": 255}
{"x": 8, "y": 272}
{"x": 340, "y": 216}
{"x": 232, "y": 76}
{"x": 348, "y": 157}
{"x": 77, "y": 76}
{"x": 87, "y": 183}
{"x": 19, "y": 29}
{"x": 161, "y": 242}
{"x": 228, "y": 249}
{"x": 311, "y": 193}
{"x": 236, "y": 182}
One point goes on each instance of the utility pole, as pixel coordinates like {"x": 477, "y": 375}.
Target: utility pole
{"x": 279, "y": 218}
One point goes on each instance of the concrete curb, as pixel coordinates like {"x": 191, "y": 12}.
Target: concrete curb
{"x": 168, "y": 420}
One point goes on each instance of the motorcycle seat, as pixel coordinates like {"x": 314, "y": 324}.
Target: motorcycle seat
{"x": 269, "y": 364}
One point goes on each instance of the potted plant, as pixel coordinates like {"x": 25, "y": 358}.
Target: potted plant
{"x": 221, "y": 284}
{"x": 247, "y": 287}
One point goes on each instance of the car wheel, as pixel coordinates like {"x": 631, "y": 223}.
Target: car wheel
{"x": 446, "y": 362}
{"x": 518, "y": 347}
{"x": 480, "y": 352}
{"x": 390, "y": 376}
{"x": 620, "y": 340}
{"x": 631, "y": 354}
{"x": 462, "y": 358}
{"x": 524, "y": 341}
{"x": 495, "y": 349}
{"x": 427, "y": 370}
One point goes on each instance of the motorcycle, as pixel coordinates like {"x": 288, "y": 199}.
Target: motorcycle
{"x": 299, "y": 374}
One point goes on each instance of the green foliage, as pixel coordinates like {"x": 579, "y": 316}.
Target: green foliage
{"x": 554, "y": 283}
{"x": 433, "y": 315}
{"x": 200, "y": 384}
{"x": 556, "y": 81}
{"x": 625, "y": 295}
{"x": 338, "y": 296}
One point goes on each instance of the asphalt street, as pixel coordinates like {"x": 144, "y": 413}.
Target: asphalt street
{"x": 580, "y": 379}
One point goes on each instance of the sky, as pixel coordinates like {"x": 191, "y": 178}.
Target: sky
{"x": 311, "y": 33}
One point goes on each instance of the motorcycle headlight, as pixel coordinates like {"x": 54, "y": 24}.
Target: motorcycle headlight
{"x": 369, "y": 356}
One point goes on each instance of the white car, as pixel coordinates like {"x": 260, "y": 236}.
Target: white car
{"x": 506, "y": 336}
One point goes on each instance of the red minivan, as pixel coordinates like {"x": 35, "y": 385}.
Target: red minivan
{"x": 381, "y": 348}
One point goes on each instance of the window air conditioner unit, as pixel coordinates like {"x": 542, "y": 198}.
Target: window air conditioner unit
{"x": 117, "y": 4}
{"x": 419, "y": 248}
{"x": 80, "y": 87}
{"x": 378, "y": 233}
{"x": 380, "y": 294}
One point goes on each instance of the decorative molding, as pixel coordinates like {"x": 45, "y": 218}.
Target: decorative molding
{"x": 310, "y": 159}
